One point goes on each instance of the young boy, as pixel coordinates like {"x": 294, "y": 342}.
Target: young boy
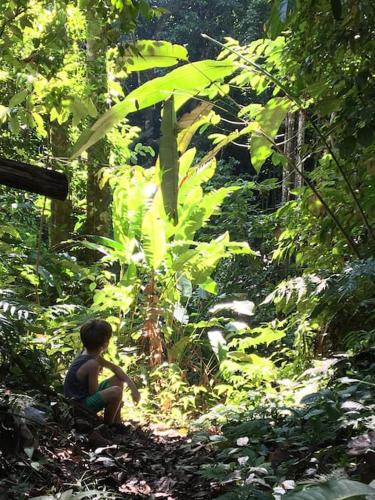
{"x": 81, "y": 381}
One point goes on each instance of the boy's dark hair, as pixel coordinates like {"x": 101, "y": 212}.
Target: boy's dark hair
{"x": 95, "y": 333}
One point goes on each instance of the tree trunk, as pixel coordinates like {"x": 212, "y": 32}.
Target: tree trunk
{"x": 61, "y": 223}
{"x": 289, "y": 150}
{"x": 300, "y": 141}
{"x": 98, "y": 196}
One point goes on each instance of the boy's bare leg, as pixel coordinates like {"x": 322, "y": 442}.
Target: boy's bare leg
{"x": 112, "y": 398}
{"x": 116, "y": 382}
{"x": 118, "y": 414}
{"x": 111, "y": 411}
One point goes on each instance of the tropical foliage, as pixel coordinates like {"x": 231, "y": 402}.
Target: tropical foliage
{"x": 220, "y": 216}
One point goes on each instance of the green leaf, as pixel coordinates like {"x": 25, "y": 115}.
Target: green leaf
{"x": 4, "y": 113}
{"x": 147, "y": 54}
{"x": 209, "y": 286}
{"x": 269, "y": 120}
{"x": 39, "y": 124}
{"x": 194, "y": 178}
{"x": 365, "y": 136}
{"x": 81, "y": 109}
{"x": 94, "y": 246}
{"x": 14, "y": 124}
{"x": 177, "y": 350}
{"x": 155, "y": 242}
{"x": 168, "y": 160}
{"x": 336, "y": 9}
{"x": 190, "y": 122}
{"x": 133, "y": 192}
{"x": 90, "y": 107}
{"x": 227, "y": 139}
{"x": 274, "y": 24}
{"x": 18, "y": 98}
{"x": 205, "y": 259}
{"x": 328, "y": 106}
{"x": 265, "y": 335}
{"x": 195, "y": 215}
{"x": 185, "y": 163}
{"x": 107, "y": 242}
{"x": 9, "y": 229}
{"x": 333, "y": 490}
{"x": 29, "y": 451}
{"x": 184, "y": 82}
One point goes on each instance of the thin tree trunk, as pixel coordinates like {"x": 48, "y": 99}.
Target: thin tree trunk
{"x": 98, "y": 196}
{"x": 61, "y": 223}
{"x": 289, "y": 150}
{"x": 300, "y": 141}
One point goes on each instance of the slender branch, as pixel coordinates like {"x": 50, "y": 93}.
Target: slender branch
{"x": 317, "y": 129}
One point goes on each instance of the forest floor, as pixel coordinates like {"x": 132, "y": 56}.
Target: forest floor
{"x": 61, "y": 455}
{"x": 262, "y": 452}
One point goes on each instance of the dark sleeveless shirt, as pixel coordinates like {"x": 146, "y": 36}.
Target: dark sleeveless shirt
{"x": 74, "y": 388}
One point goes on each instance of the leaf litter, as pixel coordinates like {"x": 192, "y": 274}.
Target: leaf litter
{"x": 118, "y": 461}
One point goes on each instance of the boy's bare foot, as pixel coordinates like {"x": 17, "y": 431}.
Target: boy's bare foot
{"x": 96, "y": 440}
{"x": 119, "y": 427}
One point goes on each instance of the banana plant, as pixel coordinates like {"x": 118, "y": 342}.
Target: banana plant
{"x": 156, "y": 215}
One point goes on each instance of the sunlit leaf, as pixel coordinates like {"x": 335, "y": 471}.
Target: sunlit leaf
{"x": 184, "y": 82}
{"x": 245, "y": 307}
{"x": 269, "y": 121}
{"x": 218, "y": 343}
{"x": 340, "y": 489}
{"x": 18, "y": 98}
{"x": 155, "y": 244}
{"x": 146, "y": 54}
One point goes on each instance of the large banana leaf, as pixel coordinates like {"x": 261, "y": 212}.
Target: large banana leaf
{"x": 146, "y": 54}
{"x": 335, "y": 489}
{"x": 168, "y": 160}
{"x": 185, "y": 82}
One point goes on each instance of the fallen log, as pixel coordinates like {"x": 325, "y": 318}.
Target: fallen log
{"x": 19, "y": 175}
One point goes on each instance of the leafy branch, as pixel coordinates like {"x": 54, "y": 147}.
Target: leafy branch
{"x": 19, "y": 10}
{"x": 295, "y": 99}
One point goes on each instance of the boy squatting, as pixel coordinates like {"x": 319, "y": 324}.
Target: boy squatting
{"x": 81, "y": 381}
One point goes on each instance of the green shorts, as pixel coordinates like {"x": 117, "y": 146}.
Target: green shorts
{"x": 95, "y": 401}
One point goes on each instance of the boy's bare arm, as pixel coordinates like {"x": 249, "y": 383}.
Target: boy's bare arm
{"x": 119, "y": 372}
{"x": 92, "y": 372}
